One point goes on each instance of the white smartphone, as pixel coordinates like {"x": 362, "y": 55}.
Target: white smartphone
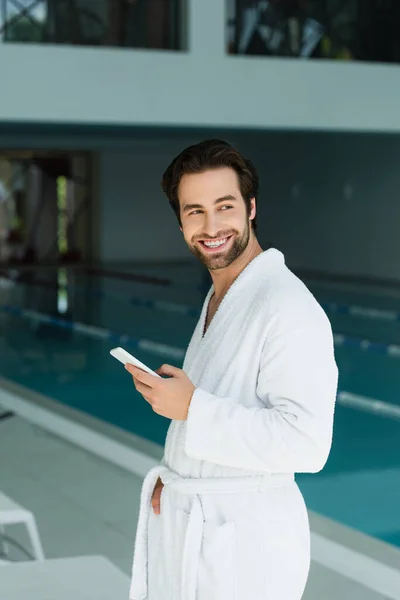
{"x": 124, "y": 357}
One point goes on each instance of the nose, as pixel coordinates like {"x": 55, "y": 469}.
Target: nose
{"x": 212, "y": 225}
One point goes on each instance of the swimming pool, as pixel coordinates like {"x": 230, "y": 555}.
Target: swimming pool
{"x": 360, "y": 485}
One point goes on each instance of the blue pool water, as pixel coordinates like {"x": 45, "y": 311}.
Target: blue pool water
{"x": 360, "y": 485}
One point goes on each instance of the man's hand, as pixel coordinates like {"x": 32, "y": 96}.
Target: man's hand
{"x": 156, "y": 499}
{"x": 168, "y": 397}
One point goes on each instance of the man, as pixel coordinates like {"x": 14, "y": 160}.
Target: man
{"x": 253, "y": 405}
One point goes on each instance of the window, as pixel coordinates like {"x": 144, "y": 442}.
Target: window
{"x": 366, "y": 30}
{"x": 126, "y": 23}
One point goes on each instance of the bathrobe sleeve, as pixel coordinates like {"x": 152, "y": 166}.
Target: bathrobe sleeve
{"x": 297, "y": 384}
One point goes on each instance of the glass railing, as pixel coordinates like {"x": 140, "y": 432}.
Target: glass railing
{"x": 126, "y": 23}
{"x": 365, "y": 30}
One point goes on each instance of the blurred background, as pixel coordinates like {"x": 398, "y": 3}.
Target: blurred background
{"x": 96, "y": 98}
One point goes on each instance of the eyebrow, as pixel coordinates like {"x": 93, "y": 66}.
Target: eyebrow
{"x": 229, "y": 197}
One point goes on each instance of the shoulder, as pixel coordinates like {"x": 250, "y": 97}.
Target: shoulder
{"x": 286, "y": 302}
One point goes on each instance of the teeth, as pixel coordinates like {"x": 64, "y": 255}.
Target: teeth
{"x": 215, "y": 244}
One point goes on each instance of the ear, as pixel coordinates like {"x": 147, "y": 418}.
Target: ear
{"x": 253, "y": 210}
{"x": 181, "y": 229}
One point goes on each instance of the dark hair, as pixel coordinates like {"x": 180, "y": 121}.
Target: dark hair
{"x": 210, "y": 154}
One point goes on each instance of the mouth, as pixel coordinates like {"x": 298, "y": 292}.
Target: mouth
{"x": 214, "y": 246}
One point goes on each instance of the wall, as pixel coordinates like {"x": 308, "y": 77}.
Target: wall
{"x": 203, "y": 87}
{"x": 136, "y": 221}
{"x": 330, "y": 202}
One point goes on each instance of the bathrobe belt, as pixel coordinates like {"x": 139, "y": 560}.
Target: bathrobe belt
{"x": 194, "y": 530}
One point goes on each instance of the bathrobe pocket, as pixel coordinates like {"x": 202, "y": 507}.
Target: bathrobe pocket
{"x": 216, "y": 574}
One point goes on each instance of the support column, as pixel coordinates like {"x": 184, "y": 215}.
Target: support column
{"x": 207, "y": 24}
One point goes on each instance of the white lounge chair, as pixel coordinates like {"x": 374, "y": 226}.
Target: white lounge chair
{"x": 12, "y": 513}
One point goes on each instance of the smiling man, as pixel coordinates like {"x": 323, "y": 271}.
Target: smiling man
{"x": 222, "y": 517}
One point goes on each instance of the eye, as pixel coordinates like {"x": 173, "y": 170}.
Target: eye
{"x": 197, "y": 211}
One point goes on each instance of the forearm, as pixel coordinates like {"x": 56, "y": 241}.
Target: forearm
{"x": 221, "y": 431}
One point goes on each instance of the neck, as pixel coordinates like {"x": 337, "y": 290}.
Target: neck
{"x": 223, "y": 278}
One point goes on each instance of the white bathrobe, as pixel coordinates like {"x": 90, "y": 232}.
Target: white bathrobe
{"x": 233, "y": 523}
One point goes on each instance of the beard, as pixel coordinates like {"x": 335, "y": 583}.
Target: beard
{"x": 221, "y": 260}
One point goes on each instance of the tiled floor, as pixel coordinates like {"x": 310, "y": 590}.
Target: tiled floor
{"x": 82, "y": 504}
{"x": 86, "y": 505}
{"x": 80, "y": 578}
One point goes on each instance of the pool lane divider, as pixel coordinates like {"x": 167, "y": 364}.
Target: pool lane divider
{"x": 162, "y": 305}
{"x": 96, "y": 332}
{"x": 376, "y": 314}
{"x": 370, "y": 405}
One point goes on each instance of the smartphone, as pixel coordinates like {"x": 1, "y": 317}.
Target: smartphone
{"x": 124, "y": 357}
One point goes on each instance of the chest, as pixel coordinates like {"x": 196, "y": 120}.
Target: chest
{"x": 225, "y": 349}
{"x": 212, "y": 309}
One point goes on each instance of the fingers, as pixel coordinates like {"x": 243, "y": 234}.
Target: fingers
{"x": 140, "y": 375}
{"x": 149, "y": 395}
{"x": 143, "y": 389}
{"x": 168, "y": 370}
